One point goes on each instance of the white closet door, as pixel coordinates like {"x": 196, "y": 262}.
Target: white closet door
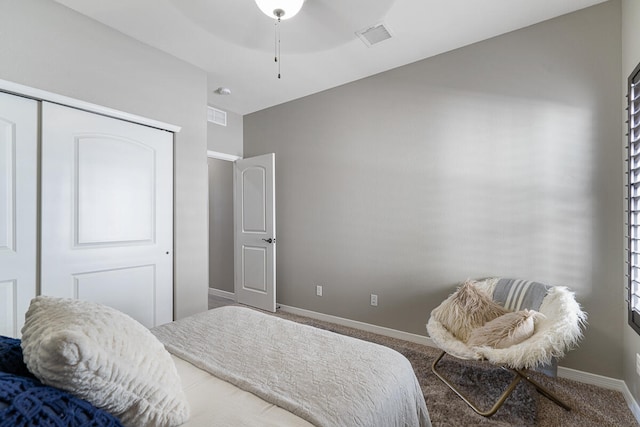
{"x": 107, "y": 213}
{"x": 18, "y": 196}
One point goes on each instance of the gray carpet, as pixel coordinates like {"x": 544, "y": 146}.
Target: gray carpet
{"x": 591, "y": 405}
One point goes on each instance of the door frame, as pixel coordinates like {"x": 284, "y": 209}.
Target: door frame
{"x": 229, "y": 158}
{"x": 222, "y": 156}
{"x": 43, "y": 95}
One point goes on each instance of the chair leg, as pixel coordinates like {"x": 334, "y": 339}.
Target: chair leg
{"x": 473, "y": 406}
{"x": 543, "y": 390}
{"x": 503, "y": 397}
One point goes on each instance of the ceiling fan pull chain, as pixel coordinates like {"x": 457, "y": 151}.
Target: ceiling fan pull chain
{"x": 275, "y": 41}
{"x": 278, "y": 58}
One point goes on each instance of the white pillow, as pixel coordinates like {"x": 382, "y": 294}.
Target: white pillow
{"x": 104, "y": 357}
{"x": 505, "y": 331}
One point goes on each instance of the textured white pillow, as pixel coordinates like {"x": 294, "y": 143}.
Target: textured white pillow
{"x": 506, "y": 330}
{"x": 104, "y": 357}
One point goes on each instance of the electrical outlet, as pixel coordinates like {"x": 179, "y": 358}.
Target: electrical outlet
{"x": 374, "y": 300}
{"x": 319, "y": 290}
{"x": 638, "y": 363}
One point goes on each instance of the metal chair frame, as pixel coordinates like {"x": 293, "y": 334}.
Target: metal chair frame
{"x": 519, "y": 375}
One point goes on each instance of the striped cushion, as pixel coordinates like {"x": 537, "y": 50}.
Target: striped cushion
{"x": 515, "y": 294}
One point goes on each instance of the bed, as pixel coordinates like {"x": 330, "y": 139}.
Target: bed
{"x": 229, "y": 366}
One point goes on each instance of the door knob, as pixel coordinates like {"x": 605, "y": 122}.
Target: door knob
{"x": 269, "y": 240}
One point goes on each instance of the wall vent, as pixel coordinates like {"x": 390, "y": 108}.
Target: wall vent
{"x": 216, "y": 116}
{"x": 374, "y": 34}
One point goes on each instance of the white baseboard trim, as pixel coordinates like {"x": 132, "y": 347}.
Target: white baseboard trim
{"x": 631, "y": 402}
{"x": 593, "y": 379}
{"x": 572, "y": 374}
{"x": 381, "y": 330}
{"x": 222, "y": 294}
{"x": 604, "y": 382}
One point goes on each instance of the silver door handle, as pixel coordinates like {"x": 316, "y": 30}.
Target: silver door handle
{"x": 269, "y": 240}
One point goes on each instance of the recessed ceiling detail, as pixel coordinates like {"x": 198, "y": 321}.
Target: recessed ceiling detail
{"x": 321, "y": 24}
{"x": 233, "y": 41}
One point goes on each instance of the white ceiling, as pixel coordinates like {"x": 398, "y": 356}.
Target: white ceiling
{"x": 234, "y": 42}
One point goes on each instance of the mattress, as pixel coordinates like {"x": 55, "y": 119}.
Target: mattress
{"x": 215, "y": 402}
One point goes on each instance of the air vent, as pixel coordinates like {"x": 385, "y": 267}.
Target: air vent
{"x": 216, "y": 116}
{"x": 374, "y": 35}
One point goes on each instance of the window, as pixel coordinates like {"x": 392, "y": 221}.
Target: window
{"x": 633, "y": 198}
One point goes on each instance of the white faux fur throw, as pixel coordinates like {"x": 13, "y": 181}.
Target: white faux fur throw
{"x": 557, "y": 332}
{"x": 322, "y": 377}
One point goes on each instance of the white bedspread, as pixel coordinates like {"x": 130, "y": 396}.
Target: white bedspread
{"x": 325, "y": 378}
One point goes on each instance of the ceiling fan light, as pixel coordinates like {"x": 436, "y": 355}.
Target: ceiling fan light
{"x": 282, "y": 9}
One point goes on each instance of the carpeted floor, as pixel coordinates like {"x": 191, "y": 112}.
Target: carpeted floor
{"x": 591, "y": 405}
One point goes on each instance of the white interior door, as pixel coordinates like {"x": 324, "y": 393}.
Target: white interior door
{"x": 107, "y": 213}
{"x": 255, "y": 231}
{"x": 18, "y": 206}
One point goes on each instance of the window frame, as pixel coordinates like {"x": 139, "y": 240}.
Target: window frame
{"x": 633, "y": 199}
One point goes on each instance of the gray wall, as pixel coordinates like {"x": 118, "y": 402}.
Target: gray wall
{"x": 226, "y": 139}
{"x": 630, "y": 58}
{"x": 50, "y": 47}
{"x": 221, "y": 225}
{"x": 498, "y": 159}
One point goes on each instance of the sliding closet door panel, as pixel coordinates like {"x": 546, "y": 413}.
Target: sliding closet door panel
{"x": 115, "y": 198}
{"x": 107, "y": 213}
{"x": 18, "y": 204}
{"x": 137, "y": 281}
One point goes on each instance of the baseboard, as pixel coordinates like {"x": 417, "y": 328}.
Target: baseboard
{"x": 631, "y": 402}
{"x": 222, "y": 294}
{"x": 572, "y": 374}
{"x": 388, "y": 332}
{"x": 593, "y": 379}
{"x": 604, "y": 382}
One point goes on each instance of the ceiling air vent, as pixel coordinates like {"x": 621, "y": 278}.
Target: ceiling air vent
{"x": 374, "y": 35}
{"x": 216, "y": 116}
